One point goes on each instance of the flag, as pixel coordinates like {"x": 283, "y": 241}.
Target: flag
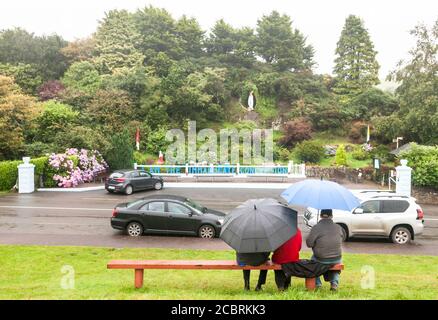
{"x": 137, "y": 139}
{"x": 368, "y": 134}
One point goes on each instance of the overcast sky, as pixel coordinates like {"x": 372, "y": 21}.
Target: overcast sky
{"x": 388, "y": 21}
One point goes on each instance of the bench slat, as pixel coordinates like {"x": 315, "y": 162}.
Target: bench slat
{"x": 194, "y": 265}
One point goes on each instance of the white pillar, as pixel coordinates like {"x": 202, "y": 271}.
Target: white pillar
{"x": 26, "y": 174}
{"x": 404, "y": 174}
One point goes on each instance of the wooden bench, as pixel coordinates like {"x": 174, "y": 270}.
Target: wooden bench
{"x": 140, "y": 265}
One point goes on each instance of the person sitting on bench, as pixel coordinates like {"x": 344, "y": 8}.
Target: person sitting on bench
{"x": 253, "y": 259}
{"x": 325, "y": 239}
{"x": 289, "y": 252}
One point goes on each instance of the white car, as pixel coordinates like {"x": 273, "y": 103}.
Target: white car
{"x": 381, "y": 214}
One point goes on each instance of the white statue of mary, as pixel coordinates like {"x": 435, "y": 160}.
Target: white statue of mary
{"x": 251, "y": 101}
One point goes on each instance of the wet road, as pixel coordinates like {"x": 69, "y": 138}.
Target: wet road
{"x": 82, "y": 219}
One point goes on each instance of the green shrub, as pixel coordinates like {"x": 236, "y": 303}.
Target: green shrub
{"x": 9, "y": 172}
{"x": 341, "y": 156}
{"x": 360, "y": 154}
{"x": 424, "y": 162}
{"x": 121, "y": 153}
{"x": 281, "y": 154}
{"x": 309, "y": 151}
{"x": 144, "y": 158}
{"x": 381, "y": 152}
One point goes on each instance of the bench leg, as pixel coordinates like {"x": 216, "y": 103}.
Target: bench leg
{"x": 138, "y": 278}
{"x": 310, "y": 284}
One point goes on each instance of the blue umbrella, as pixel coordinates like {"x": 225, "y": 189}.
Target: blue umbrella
{"x": 320, "y": 194}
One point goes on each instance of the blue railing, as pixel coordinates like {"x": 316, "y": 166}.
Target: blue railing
{"x": 293, "y": 170}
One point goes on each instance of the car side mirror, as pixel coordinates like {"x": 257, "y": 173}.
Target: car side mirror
{"x": 358, "y": 211}
{"x": 191, "y": 214}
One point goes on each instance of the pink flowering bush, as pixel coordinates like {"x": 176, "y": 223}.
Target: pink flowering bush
{"x": 367, "y": 147}
{"x": 75, "y": 167}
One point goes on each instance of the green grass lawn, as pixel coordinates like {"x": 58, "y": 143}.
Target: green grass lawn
{"x": 34, "y": 272}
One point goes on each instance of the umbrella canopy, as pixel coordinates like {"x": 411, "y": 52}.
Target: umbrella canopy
{"x": 320, "y": 195}
{"x": 259, "y": 225}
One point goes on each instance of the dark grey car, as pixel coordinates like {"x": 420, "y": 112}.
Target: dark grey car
{"x": 167, "y": 214}
{"x": 129, "y": 181}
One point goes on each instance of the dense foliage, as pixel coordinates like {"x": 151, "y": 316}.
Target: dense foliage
{"x": 148, "y": 70}
{"x": 309, "y": 151}
{"x": 424, "y": 162}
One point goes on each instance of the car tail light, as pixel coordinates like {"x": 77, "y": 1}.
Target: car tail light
{"x": 120, "y": 179}
{"x": 115, "y": 212}
{"x": 420, "y": 214}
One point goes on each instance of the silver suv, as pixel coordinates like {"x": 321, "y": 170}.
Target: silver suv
{"x": 381, "y": 214}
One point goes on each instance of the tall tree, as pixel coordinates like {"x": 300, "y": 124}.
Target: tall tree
{"x": 82, "y": 76}
{"x": 157, "y": 30}
{"x": 19, "y": 46}
{"x": 25, "y": 75}
{"x": 16, "y": 114}
{"x": 235, "y": 46}
{"x": 418, "y": 92}
{"x": 80, "y": 50}
{"x": 281, "y": 45}
{"x": 116, "y": 43}
{"x": 221, "y": 38}
{"x": 189, "y": 36}
{"x": 356, "y": 67}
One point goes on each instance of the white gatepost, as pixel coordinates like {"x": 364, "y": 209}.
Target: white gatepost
{"x": 403, "y": 178}
{"x": 26, "y": 176}
{"x": 289, "y": 167}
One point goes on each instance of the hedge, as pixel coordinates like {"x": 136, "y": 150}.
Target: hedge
{"x": 9, "y": 172}
{"x": 424, "y": 162}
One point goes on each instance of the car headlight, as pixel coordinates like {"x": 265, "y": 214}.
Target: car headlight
{"x": 221, "y": 221}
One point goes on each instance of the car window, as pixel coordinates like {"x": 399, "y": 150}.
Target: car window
{"x": 154, "y": 206}
{"x": 195, "y": 205}
{"x": 145, "y": 174}
{"x": 135, "y": 174}
{"x": 134, "y": 203}
{"x": 116, "y": 175}
{"x": 371, "y": 206}
{"x": 177, "y": 208}
{"x": 391, "y": 206}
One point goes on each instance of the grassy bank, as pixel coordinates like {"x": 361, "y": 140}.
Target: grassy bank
{"x": 34, "y": 272}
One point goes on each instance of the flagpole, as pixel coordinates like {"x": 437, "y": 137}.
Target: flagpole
{"x": 137, "y": 139}
{"x": 368, "y": 134}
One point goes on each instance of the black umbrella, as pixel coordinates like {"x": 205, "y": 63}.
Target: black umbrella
{"x": 259, "y": 225}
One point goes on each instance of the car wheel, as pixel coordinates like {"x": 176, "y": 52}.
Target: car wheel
{"x": 207, "y": 232}
{"x": 158, "y": 186}
{"x": 110, "y": 191}
{"x": 344, "y": 233}
{"x": 129, "y": 190}
{"x": 134, "y": 229}
{"x": 401, "y": 235}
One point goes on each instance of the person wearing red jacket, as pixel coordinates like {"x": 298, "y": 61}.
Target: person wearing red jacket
{"x": 289, "y": 252}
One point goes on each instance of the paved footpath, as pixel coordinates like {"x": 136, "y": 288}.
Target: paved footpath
{"x": 82, "y": 219}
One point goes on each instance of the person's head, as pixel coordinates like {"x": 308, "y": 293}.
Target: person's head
{"x": 326, "y": 214}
